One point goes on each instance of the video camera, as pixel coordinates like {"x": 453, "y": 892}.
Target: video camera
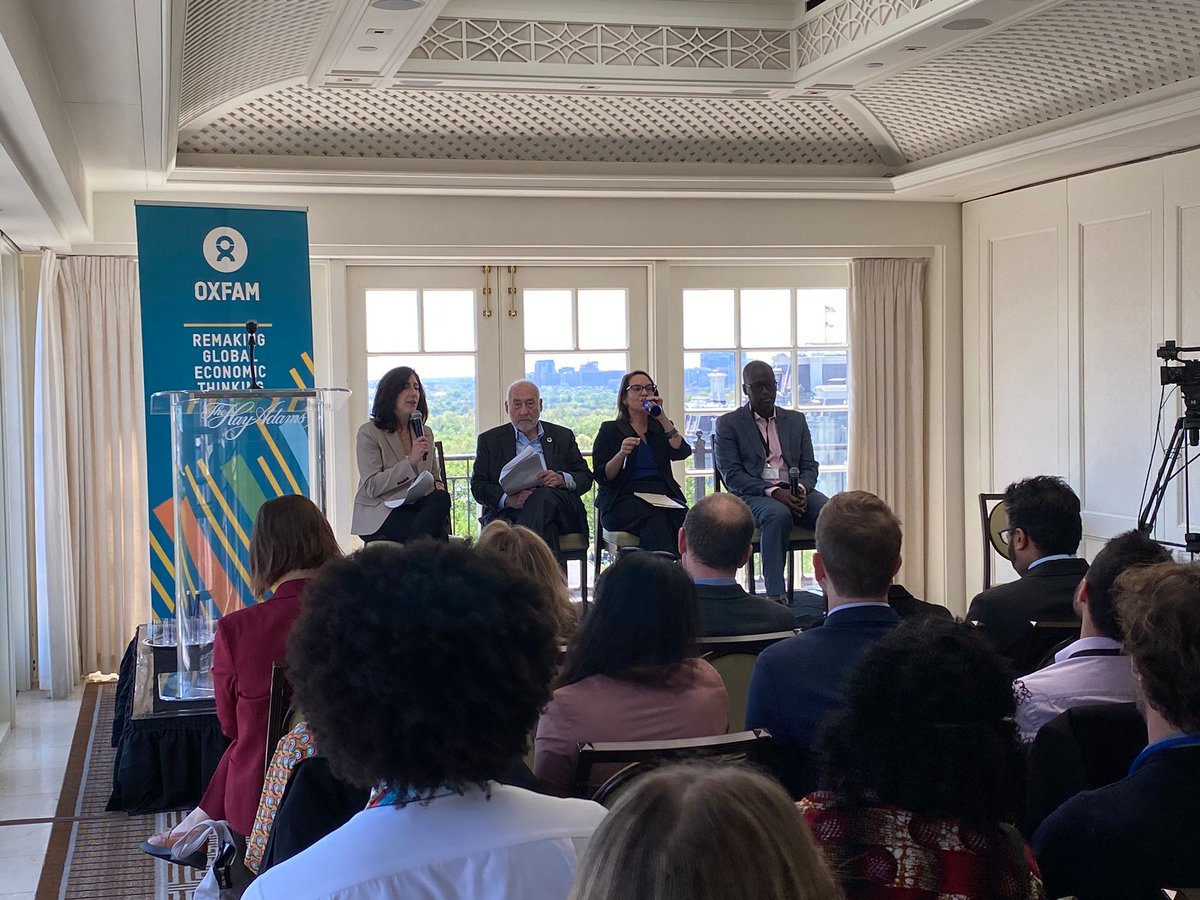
{"x": 1186, "y": 374}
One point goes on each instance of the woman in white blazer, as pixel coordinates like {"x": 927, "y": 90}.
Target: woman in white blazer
{"x": 392, "y": 459}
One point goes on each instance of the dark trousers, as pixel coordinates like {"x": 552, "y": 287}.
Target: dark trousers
{"x": 656, "y": 528}
{"x": 425, "y": 518}
{"x": 549, "y": 512}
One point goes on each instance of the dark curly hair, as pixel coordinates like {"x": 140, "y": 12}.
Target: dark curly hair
{"x": 642, "y": 625}
{"x": 383, "y": 410}
{"x": 928, "y": 726}
{"x": 1159, "y": 608}
{"x": 422, "y": 665}
{"x": 1047, "y": 510}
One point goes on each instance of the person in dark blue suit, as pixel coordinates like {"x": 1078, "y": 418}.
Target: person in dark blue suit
{"x": 798, "y": 682}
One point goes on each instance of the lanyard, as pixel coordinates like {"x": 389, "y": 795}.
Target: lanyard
{"x": 1098, "y": 651}
{"x": 1183, "y": 740}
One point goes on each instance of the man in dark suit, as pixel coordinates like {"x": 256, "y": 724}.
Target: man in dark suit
{"x": 714, "y": 543}
{"x": 909, "y": 607}
{"x": 552, "y": 506}
{"x": 798, "y": 682}
{"x": 757, "y": 447}
{"x": 1132, "y": 838}
{"x": 1044, "y": 531}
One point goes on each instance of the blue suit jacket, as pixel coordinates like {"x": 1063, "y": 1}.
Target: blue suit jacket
{"x": 798, "y": 682}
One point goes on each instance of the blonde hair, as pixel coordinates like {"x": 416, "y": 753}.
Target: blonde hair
{"x": 703, "y": 831}
{"x": 289, "y": 533}
{"x": 532, "y": 556}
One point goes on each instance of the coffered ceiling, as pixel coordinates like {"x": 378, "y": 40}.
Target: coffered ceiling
{"x": 912, "y": 99}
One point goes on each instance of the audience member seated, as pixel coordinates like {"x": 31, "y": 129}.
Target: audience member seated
{"x": 302, "y": 801}
{"x": 290, "y": 541}
{"x": 1044, "y": 531}
{"x": 713, "y": 544}
{"x": 525, "y": 550}
{"x": 1132, "y": 838}
{"x": 1084, "y": 748}
{"x": 909, "y": 607}
{"x": 630, "y": 674}
{"x": 421, "y": 669}
{"x": 922, "y": 768}
{"x": 799, "y": 681}
{"x": 1091, "y": 669}
{"x": 703, "y": 831}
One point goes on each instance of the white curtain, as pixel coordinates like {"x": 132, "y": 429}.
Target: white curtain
{"x": 887, "y": 397}
{"x": 93, "y": 558}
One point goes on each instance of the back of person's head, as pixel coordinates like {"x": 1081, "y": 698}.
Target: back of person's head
{"x": 1126, "y": 551}
{"x": 703, "y": 832}
{"x": 1159, "y": 608}
{"x": 289, "y": 533}
{"x": 526, "y": 550}
{"x": 858, "y": 537}
{"x": 1047, "y": 510}
{"x": 421, "y": 665}
{"x": 928, "y": 726}
{"x": 641, "y": 625}
{"x": 718, "y": 529}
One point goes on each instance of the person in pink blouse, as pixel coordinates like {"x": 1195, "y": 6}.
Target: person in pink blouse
{"x": 630, "y": 673}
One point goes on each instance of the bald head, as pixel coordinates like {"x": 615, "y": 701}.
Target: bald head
{"x": 717, "y": 532}
{"x": 524, "y": 407}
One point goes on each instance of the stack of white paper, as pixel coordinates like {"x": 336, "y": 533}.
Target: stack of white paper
{"x": 522, "y": 472}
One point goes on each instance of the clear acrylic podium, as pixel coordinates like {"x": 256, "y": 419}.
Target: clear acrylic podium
{"x": 231, "y": 451}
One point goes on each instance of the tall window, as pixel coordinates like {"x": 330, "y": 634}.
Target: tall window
{"x": 800, "y": 331}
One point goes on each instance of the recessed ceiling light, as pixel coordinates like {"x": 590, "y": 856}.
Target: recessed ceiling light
{"x": 366, "y": 49}
{"x": 589, "y": 87}
{"x": 749, "y": 92}
{"x": 967, "y": 24}
{"x": 912, "y": 48}
{"x": 398, "y": 5}
{"x": 875, "y": 65}
{"x": 419, "y": 82}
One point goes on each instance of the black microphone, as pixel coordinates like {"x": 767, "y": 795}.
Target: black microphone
{"x": 416, "y": 423}
{"x": 251, "y": 330}
{"x": 652, "y": 408}
{"x": 794, "y": 479}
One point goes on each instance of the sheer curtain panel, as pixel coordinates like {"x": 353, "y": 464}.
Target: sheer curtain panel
{"x": 93, "y": 558}
{"x": 887, "y": 396}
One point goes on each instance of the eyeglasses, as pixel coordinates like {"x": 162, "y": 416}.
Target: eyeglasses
{"x": 763, "y": 385}
{"x": 643, "y": 388}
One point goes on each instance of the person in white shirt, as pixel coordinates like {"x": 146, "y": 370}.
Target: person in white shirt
{"x": 1092, "y": 669}
{"x": 421, "y": 669}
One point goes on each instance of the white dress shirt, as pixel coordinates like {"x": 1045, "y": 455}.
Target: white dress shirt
{"x": 1089, "y": 670}
{"x": 517, "y": 845}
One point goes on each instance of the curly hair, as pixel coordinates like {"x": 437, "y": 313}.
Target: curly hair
{"x": 289, "y": 533}
{"x": 928, "y": 726}
{"x": 383, "y": 410}
{"x": 1159, "y": 608}
{"x": 1047, "y": 510}
{"x": 525, "y": 549}
{"x": 421, "y": 665}
{"x": 703, "y": 831}
{"x": 642, "y": 625}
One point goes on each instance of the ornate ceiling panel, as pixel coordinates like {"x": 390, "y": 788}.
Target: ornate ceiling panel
{"x": 1077, "y": 56}
{"x": 837, "y": 25}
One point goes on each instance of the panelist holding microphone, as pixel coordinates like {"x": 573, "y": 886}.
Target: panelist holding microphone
{"x": 632, "y": 456}
{"x": 551, "y": 506}
{"x": 401, "y": 490}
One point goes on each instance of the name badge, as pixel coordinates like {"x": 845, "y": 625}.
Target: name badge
{"x": 770, "y": 473}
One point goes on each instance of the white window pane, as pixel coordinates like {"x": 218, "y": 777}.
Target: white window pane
{"x": 579, "y": 390}
{"x": 766, "y": 317}
{"x": 449, "y": 320}
{"x": 602, "y": 320}
{"x": 392, "y": 322}
{"x": 548, "y": 317}
{"x": 820, "y": 316}
{"x": 707, "y": 319}
{"x": 711, "y": 380}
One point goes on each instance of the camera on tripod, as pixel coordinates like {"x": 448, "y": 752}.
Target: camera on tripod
{"x": 1186, "y": 374}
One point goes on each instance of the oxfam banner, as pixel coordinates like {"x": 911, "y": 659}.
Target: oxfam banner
{"x": 205, "y": 272}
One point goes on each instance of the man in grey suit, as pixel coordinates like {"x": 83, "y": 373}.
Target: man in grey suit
{"x": 757, "y": 446}
{"x": 714, "y": 543}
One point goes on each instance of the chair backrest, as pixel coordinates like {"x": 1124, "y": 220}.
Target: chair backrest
{"x": 441, "y": 461}
{"x": 642, "y": 756}
{"x": 993, "y": 517}
{"x": 713, "y": 647}
{"x": 1036, "y": 648}
{"x": 279, "y": 709}
{"x": 735, "y": 670}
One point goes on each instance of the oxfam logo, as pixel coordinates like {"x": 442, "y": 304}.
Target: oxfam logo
{"x": 225, "y": 249}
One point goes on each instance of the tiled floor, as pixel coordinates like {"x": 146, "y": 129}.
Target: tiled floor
{"x": 32, "y": 763}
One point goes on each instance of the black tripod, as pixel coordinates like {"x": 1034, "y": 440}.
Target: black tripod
{"x": 1187, "y": 431}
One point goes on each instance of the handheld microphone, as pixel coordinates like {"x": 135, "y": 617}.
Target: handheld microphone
{"x": 794, "y": 480}
{"x": 417, "y": 424}
{"x": 652, "y": 408}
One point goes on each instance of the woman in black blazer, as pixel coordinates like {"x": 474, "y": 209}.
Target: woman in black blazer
{"x": 633, "y": 454}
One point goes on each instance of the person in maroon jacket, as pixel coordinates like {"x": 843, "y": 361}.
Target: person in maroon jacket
{"x": 291, "y": 539}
